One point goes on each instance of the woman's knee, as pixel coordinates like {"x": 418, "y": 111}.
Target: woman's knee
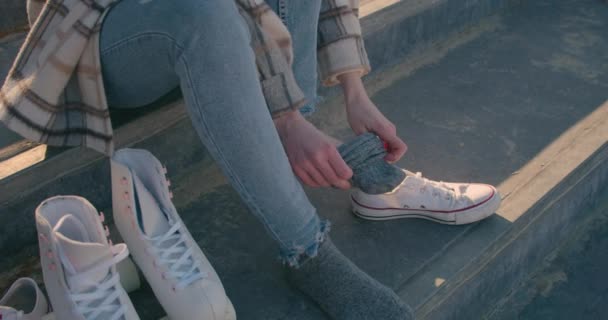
{"x": 209, "y": 21}
{"x": 179, "y": 20}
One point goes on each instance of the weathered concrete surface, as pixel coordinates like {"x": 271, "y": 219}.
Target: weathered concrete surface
{"x": 480, "y": 113}
{"x": 571, "y": 284}
{"x": 13, "y": 16}
{"x": 9, "y": 46}
{"x": 402, "y": 28}
{"x": 511, "y": 94}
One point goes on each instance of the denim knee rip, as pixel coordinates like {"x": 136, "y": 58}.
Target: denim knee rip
{"x": 297, "y": 255}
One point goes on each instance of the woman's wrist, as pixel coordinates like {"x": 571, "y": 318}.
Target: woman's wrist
{"x": 352, "y": 87}
{"x": 283, "y": 122}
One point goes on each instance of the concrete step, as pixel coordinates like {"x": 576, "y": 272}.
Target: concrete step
{"x": 569, "y": 284}
{"x": 13, "y": 16}
{"x": 517, "y": 101}
{"x": 9, "y": 46}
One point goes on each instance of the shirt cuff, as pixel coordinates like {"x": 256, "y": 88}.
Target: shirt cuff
{"x": 342, "y": 56}
{"x": 282, "y": 94}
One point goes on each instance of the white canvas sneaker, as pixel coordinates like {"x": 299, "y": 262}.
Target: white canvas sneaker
{"x": 418, "y": 197}
{"x": 180, "y": 275}
{"x": 23, "y": 301}
{"x": 79, "y": 263}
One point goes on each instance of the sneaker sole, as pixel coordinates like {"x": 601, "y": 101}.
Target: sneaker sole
{"x": 470, "y": 215}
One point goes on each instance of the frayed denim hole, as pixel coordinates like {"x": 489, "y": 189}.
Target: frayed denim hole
{"x": 298, "y": 255}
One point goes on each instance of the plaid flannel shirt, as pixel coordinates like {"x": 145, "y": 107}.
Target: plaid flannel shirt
{"x": 54, "y": 91}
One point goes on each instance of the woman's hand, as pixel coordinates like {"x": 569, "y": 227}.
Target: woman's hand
{"x": 363, "y": 116}
{"x": 313, "y": 155}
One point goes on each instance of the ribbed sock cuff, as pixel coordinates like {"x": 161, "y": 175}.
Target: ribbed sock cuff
{"x": 371, "y": 173}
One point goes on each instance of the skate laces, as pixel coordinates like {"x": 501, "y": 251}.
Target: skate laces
{"x": 174, "y": 253}
{"x": 100, "y": 300}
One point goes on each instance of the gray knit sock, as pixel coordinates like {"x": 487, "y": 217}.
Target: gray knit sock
{"x": 344, "y": 291}
{"x": 371, "y": 173}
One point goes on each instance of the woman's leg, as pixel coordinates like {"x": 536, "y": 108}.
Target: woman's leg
{"x": 151, "y": 47}
{"x": 148, "y": 47}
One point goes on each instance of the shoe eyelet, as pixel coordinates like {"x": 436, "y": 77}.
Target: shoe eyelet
{"x": 124, "y": 181}
{"x": 125, "y": 196}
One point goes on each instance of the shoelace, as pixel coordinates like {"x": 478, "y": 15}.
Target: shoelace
{"x": 172, "y": 252}
{"x": 102, "y": 298}
{"x": 441, "y": 189}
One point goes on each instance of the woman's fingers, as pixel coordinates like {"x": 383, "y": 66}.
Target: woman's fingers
{"x": 341, "y": 169}
{"x": 316, "y": 174}
{"x": 331, "y": 175}
{"x": 325, "y": 169}
{"x": 305, "y": 177}
{"x": 396, "y": 147}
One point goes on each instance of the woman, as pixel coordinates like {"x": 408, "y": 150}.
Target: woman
{"x": 232, "y": 61}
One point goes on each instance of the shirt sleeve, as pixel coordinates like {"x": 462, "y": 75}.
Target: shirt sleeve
{"x": 340, "y": 44}
{"x": 271, "y": 43}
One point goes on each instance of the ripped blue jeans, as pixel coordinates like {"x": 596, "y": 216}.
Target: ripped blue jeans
{"x": 203, "y": 48}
